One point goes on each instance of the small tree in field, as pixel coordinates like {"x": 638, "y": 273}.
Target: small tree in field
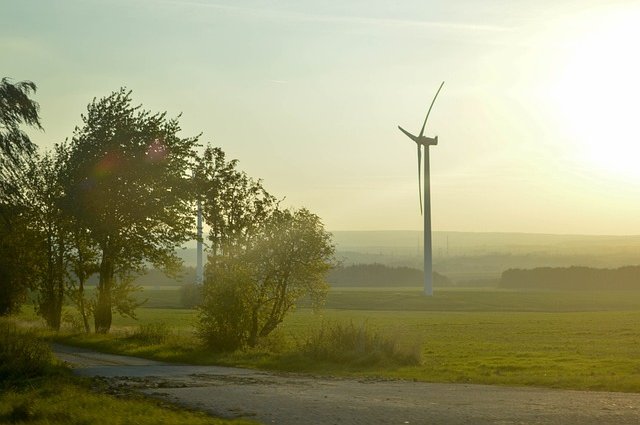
{"x": 248, "y": 293}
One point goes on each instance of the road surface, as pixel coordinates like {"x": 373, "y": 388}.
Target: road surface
{"x": 288, "y": 399}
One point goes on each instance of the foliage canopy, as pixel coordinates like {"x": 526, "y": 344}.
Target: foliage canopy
{"x": 16, "y": 109}
{"x": 127, "y": 184}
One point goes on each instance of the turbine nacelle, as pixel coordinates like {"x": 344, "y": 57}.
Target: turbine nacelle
{"x": 421, "y": 140}
{"x": 429, "y": 141}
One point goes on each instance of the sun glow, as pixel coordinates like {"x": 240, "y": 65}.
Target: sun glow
{"x": 597, "y": 95}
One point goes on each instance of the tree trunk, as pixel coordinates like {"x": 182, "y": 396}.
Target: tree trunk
{"x": 59, "y": 289}
{"x": 253, "y": 332}
{"x": 81, "y": 306}
{"x": 52, "y": 290}
{"x": 82, "y": 275}
{"x": 102, "y": 314}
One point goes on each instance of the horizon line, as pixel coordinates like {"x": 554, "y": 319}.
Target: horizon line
{"x": 494, "y": 232}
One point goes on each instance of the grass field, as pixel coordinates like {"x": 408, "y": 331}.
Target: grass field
{"x": 36, "y": 389}
{"x": 449, "y": 299}
{"x": 588, "y": 340}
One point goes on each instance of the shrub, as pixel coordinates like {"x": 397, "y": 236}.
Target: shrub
{"x": 190, "y": 295}
{"x": 73, "y": 321}
{"x": 357, "y": 345}
{"x": 22, "y": 355}
{"x": 222, "y": 319}
{"x": 153, "y": 333}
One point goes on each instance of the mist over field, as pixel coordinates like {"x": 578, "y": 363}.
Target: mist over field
{"x": 478, "y": 258}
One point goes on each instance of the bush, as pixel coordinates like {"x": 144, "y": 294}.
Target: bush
{"x": 357, "y": 345}
{"x": 153, "y": 333}
{"x": 22, "y": 355}
{"x": 190, "y": 295}
{"x": 73, "y": 321}
{"x": 222, "y": 320}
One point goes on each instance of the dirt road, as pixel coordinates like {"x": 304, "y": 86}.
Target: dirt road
{"x": 288, "y": 399}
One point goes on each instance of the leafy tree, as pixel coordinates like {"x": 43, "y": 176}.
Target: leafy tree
{"x": 247, "y": 294}
{"x": 65, "y": 256}
{"x": 51, "y": 247}
{"x": 81, "y": 260}
{"x": 16, "y": 260}
{"x": 291, "y": 260}
{"x": 16, "y": 109}
{"x": 234, "y": 205}
{"x": 128, "y": 187}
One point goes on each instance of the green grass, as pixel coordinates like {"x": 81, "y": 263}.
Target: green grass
{"x": 577, "y": 340}
{"x": 67, "y": 401}
{"x": 473, "y": 299}
{"x": 37, "y": 389}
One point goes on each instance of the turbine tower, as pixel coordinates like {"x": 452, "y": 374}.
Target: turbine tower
{"x": 422, "y": 140}
{"x": 199, "y": 268}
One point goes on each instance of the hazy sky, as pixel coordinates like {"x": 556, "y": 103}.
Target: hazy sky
{"x": 537, "y": 118}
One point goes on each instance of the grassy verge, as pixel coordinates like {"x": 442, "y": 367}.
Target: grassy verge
{"x": 69, "y": 401}
{"x": 543, "y": 339}
{"x": 34, "y": 389}
{"x": 587, "y": 351}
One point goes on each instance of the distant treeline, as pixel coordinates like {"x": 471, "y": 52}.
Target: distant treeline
{"x": 572, "y": 278}
{"x": 381, "y": 275}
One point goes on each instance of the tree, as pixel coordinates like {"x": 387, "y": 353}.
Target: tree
{"x": 16, "y": 109}
{"x": 290, "y": 260}
{"x": 81, "y": 257}
{"x": 16, "y": 259}
{"x": 248, "y": 293}
{"x": 50, "y": 227}
{"x": 235, "y": 206}
{"x": 128, "y": 187}
{"x": 64, "y": 255}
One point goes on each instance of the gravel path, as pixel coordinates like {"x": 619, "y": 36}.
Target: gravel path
{"x": 294, "y": 399}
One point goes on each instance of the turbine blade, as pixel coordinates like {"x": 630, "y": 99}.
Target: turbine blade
{"x": 429, "y": 111}
{"x": 420, "y": 176}
{"x": 409, "y": 135}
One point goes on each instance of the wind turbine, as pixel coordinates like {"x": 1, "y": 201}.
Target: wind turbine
{"x": 422, "y": 140}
